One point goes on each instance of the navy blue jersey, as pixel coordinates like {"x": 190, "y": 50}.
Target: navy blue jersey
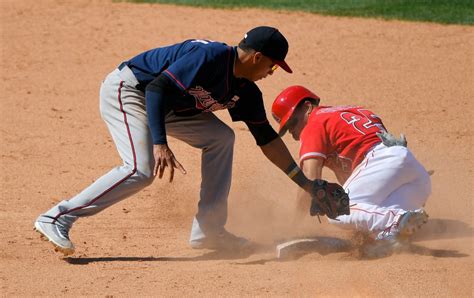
{"x": 203, "y": 71}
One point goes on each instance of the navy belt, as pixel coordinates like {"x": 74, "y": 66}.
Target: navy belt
{"x": 139, "y": 86}
{"x": 122, "y": 65}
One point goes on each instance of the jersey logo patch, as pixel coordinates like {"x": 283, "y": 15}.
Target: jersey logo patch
{"x": 206, "y": 103}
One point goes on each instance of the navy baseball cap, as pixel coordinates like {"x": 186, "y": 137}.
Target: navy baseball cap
{"x": 270, "y": 42}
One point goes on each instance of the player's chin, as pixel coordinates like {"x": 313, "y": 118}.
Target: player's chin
{"x": 259, "y": 78}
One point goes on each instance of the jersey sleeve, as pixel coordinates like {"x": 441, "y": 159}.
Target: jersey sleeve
{"x": 314, "y": 142}
{"x": 249, "y": 107}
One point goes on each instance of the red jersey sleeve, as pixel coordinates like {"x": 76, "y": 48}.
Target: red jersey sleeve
{"x": 314, "y": 141}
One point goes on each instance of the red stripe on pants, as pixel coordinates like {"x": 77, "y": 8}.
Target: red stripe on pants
{"x": 122, "y": 180}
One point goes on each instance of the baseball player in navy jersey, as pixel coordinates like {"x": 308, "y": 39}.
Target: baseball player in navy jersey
{"x": 387, "y": 186}
{"x": 172, "y": 91}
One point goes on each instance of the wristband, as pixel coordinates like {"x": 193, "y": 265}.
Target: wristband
{"x": 292, "y": 169}
{"x": 295, "y": 174}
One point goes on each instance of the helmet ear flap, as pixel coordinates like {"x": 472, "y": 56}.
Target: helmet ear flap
{"x": 286, "y": 127}
{"x": 316, "y": 101}
{"x": 307, "y": 104}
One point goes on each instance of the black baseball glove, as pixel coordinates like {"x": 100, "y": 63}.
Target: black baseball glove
{"x": 328, "y": 199}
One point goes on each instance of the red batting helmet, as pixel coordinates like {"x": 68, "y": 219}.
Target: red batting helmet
{"x": 286, "y": 102}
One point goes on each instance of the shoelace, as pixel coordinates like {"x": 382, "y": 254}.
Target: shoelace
{"x": 63, "y": 231}
{"x": 388, "y": 230}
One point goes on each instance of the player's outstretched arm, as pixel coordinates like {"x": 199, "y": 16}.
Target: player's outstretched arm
{"x": 277, "y": 152}
{"x": 328, "y": 199}
{"x": 156, "y": 107}
{"x": 313, "y": 168}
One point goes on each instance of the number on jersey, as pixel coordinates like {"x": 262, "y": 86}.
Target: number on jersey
{"x": 364, "y": 121}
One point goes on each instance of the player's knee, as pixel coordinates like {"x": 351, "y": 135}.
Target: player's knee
{"x": 145, "y": 169}
{"x": 404, "y": 155}
{"x": 403, "y": 158}
{"x": 145, "y": 172}
{"x": 221, "y": 137}
{"x": 147, "y": 180}
{"x": 143, "y": 179}
{"x": 140, "y": 176}
{"x": 227, "y": 136}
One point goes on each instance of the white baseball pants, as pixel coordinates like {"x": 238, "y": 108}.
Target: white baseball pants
{"x": 386, "y": 184}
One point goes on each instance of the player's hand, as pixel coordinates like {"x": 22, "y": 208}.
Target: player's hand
{"x": 164, "y": 157}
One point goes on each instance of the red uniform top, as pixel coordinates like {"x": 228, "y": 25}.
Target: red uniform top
{"x": 342, "y": 135}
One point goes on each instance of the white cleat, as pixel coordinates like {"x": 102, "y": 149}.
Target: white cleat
{"x": 395, "y": 238}
{"x": 57, "y": 234}
{"x": 411, "y": 222}
{"x": 407, "y": 225}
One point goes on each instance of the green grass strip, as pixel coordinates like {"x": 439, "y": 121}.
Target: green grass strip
{"x": 438, "y": 11}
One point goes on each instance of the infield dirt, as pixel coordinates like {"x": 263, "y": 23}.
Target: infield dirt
{"x": 54, "y": 54}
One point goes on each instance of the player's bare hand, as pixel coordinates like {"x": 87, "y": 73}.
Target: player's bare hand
{"x": 164, "y": 158}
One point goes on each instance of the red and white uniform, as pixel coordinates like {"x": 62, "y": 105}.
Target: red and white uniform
{"x": 383, "y": 182}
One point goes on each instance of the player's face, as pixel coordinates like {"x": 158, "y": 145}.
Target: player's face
{"x": 263, "y": 66}
{"x": 297, "y": 122}
{"x": 295, "y": 129}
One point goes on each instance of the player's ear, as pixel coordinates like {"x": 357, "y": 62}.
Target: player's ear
{"x": 257, "y": 56}
{"x": 309, "y": 106}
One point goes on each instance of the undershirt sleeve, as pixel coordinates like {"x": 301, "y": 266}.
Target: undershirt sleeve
{"x": 156, "y": 95}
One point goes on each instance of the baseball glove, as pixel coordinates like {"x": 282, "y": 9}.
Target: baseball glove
{"x": 328, "y": 199}
{"x": 390, "y": 140}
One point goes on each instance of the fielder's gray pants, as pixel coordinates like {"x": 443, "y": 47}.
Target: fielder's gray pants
{"x": 123, "y": 109}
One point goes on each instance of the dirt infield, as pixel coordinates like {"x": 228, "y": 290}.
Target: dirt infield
{"x": 416, "y": 76}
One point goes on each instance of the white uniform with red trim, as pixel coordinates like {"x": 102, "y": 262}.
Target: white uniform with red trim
{"x": 383, "y": 182}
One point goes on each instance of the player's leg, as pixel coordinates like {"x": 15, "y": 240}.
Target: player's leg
{"x": 369, "y": 186}
{"x": 368, "y": 217}
{"x": 414, "y": 193}
{"x": 216, "y": 140}
{"x": 123, "y": 109}
{"x": 378, "y": 175}
{"x": 383, "y": 173}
